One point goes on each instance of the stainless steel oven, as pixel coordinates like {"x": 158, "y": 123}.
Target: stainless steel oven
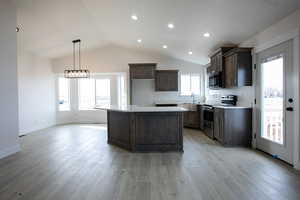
{"x": 207, "y": 113}
{"x": 208, "y": 120}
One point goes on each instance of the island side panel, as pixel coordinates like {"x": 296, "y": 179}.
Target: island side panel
{"x": 119, "y": 129}
{"x": 158, "y": 131}
{"x": 180, "y": 127}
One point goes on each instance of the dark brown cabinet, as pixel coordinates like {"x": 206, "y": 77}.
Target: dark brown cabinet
{"x": 217, "y": 61}
{"x": 216, "y": 70}
{"x": 201, "y": 117}
{"x": 233, "y": 126}
{"x": 219, "y": 124}
{"x": 166, "y": 80}
{"x": 209, "y": 69}
{"x": 238, "y": 68}
{"x": 142, "y": 70}
{"x": 156, "y": 129}
{"x": 146, "y": 131}
{"x": 191, "y": 119}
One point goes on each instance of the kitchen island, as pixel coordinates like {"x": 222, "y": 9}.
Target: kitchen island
{"x": 145, "y": 129}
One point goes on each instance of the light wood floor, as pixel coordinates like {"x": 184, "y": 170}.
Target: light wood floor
{"x": 75, "y": 162}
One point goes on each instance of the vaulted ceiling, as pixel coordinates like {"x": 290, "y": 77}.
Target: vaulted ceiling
{"x": 49, "y": 26}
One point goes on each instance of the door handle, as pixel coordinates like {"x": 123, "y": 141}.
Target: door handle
{"x": 290, "y": 109}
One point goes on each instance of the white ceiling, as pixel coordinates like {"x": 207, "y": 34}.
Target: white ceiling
{"x": 49, "y": 26}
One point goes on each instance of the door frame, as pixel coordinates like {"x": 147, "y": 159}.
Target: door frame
{"x": 295, "y": 36}
{"x": 284, "y": 151}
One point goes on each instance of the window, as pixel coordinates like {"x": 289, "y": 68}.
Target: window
{"x": 122, "y": 90}
{"x": 86, "y": 93}
{"x": 190, "y": 84}
{"x": 93, "y": 92}
{"x": 102, "y": 92}
{"x": 272, "y": 99}
{"x": 63, "y": 94}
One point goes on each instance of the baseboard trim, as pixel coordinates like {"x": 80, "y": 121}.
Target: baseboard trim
{"x": 9, "y": 151}
{"x": 74, "y": 123}
{"x": 24, "y": 133}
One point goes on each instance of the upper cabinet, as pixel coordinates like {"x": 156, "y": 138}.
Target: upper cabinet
{"x": 238, "y": 67}
{"x": 142, "y": 70}
{"x": 231, "y": 67}
{"x": 166, "y": 80}
{"x": 217, "y": 61}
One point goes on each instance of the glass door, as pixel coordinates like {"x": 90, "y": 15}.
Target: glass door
{"x": 274, "y": 94}
{"x": 273, "y": 100}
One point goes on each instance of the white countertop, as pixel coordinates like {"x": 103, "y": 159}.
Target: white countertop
{"x": 133, "y": 108}
{"x": 232, "y": 107}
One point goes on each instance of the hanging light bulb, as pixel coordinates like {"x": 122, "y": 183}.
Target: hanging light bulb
{"x": 77, "y": 73}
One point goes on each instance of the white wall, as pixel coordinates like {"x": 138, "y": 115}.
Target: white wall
{"x": 8, "y": 80}
{"x": 114, "y": 58}
{"x": 274, "y": 32}
{"x": 36, "y": 93}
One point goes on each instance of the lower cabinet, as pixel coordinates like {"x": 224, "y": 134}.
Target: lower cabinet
{"x": 233, "y": 126}
{"x": 201, "y": 117}
{"x": 219, "y": 124}
{"x": 191, "y": 119}
{"x": 146, "y": 131}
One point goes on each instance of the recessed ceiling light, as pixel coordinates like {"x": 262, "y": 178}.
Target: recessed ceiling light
{"x": 190, "y": 53}
{"x": 206, "y": 35}
{"x": 134, "y": 17}
{"x": 165, "y": 46}
{"x": 139, "y": 40}
{"x": 170, "y": 26}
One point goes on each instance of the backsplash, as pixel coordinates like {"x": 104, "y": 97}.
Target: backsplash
{"x": 143, "y": 93}
{"x": 245, "y": 95}
{"x": 164, "y": 97}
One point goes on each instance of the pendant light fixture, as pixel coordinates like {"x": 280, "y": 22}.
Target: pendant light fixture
{"x": 77, "y": 72}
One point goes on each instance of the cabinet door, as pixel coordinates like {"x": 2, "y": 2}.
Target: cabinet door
{"x": 186, "y": 119}
{"x": 194, "y": 119}
{"x": 216, "y": 123}
{"x": 157, "y": 128}
{"x": 215, "y": 64}
{"x": 191, "y": 119}
{"x": 230, "y": 71}
{"x": 120, "y": 133}
{"x": 209, "y": 69}
{"x": 212, "y": 64}
{"x": 201, "y": 115}
{"x": 166, "y": 80}
{"x": 221, "y": 137}
{"x": 219, "y": 62}
{"x": 219, "y": 124}
{"x": 142, "y": 71}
